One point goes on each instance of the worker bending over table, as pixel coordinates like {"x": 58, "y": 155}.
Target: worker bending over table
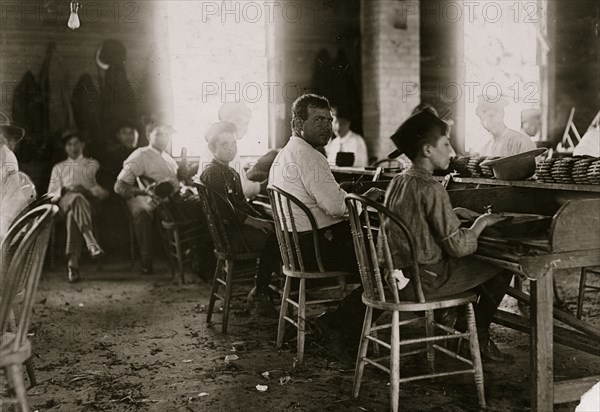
{"x": 443, "y": 246}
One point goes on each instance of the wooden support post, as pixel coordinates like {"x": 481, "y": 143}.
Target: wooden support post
{"x": 542, "y": 345}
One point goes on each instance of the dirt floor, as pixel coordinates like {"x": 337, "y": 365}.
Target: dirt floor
{"x": 120, "y": 341}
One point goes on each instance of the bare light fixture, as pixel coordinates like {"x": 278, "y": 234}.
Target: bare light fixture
{"x": 74, "y": 18}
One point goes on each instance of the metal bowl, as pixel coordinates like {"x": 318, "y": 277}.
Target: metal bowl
{"x": 516, "y": 167}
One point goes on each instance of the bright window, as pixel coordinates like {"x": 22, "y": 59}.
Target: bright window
{"x": 216, "y": 58}
{"x": 500, "y": 58}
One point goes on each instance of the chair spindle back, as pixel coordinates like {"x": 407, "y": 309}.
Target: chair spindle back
{"x": 287, "y": 231}
{"x": 369, "y": 248}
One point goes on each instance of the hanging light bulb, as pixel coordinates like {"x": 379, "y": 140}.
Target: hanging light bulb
{"x": 74, "y": 18}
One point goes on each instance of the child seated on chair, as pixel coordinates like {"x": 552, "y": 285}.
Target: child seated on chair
{"x": 443, "y": 247}
{"x": 258, "y": 232}
{"x": 74, "y": 188}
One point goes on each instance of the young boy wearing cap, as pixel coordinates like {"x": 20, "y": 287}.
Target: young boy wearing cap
{"x": 73, "y": 186}
{"x": 423, "y": 205}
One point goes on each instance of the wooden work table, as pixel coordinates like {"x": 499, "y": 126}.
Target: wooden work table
{"x": 572, "y": 241}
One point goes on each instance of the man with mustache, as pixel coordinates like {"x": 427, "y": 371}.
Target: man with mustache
{"x": 301, "y": 170}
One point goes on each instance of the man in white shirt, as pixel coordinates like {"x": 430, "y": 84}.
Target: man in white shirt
{"x": 154, "y": 163}
{"x": 74, "y": 188}
{"x": 301, "y": 170}
{"x": 505, "y": 141}
{"x": 345, "y": 141}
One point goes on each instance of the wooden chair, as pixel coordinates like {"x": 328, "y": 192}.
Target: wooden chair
{"x": 179, "y": 235}
{"x": 294, "y": 265}
{"x": 168, "y": 233}
{"x": 233, "y": 266}
{"x": 390, "y": 163}
{"x": 381, "y": 292}
{"x": 584, "y": 287}
{"x": 22, "y": 261}
{"x": 14, "y": 231}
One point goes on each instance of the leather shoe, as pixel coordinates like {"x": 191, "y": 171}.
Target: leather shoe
{"x": 74, "y": 275}
{"x": 446, "y": 317}
{"x": 264, "y": 306}
{"x": 96, "y": 252}
{"x": 490, "y": 353}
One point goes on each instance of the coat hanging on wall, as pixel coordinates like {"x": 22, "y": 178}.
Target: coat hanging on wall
{"x": 57, "y": 112}
{"x": 27, "y": 112}
{"x": 119, "y": 98}
{"x": 86, "y": 103}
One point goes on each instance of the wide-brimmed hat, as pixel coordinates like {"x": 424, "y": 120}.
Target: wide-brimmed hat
{"x": 10, "y": 131}
{"x": 413, "y": 128}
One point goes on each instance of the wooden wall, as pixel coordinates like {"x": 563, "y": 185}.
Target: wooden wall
{"x": 574, "y": 31}
{"x": 29, "y": 26}
{"x": 327, "y": 24}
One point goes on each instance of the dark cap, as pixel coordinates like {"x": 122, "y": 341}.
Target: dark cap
{"x": 341, "y": 112}
{"x": 127, "y": 122}
{"x": 413, "y": 128}
{"x": 155, "y": 120}
{"x": 68, "y": 134}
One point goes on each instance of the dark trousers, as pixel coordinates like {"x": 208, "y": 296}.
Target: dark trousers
{"x": 142, "y": 213}
{"x": 270, "y": 260}
{"x": 190, "y": 208}
{"x": 337, "y": 252}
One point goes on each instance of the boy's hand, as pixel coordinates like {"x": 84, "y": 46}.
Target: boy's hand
{"x": 466, "y": 213}
{"x": 490, "y": 219}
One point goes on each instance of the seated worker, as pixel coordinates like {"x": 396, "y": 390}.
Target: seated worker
{"x": 73, "y": 186}
{"x": 345, "y": 140}
{"x": 504, "y": 141}
{"x": 301, "y": 170}
{"x": 423, "y": 205}
{"x": 112, "y": 162}
{"x": 154, "y": 163}
{"x": 257, "y": 232}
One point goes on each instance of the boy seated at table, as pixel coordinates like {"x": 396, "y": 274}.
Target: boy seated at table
{"x": 258, "y": 232}
{"x": 443, "y": 246}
